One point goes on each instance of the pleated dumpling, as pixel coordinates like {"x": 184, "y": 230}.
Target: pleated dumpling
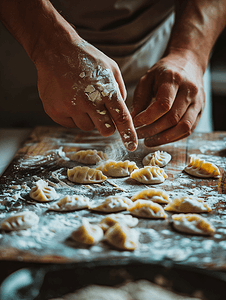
{"x": 20, "y": 221}
{"x": 193, "y": 224}
{"x": 87, "y": 234}
{"x": 118, "y": 168}
{"x": 43, "y": 192}
{"x": 188, "y": 204}
{"x": 120, "y": 218}
{"x": 147, "y": 209}
{"x": 155, "y": 195}
{"x": 85, "y": 175}
{"x": 158, "y": 158}
{"x": 200, "y": 168}
{"x": 113, "y": 204}
{"x": 122, "y": 237}
{"x": 70, "y": 203}
{"x": 149, "y": 175}
{"x": 90, "y": 157}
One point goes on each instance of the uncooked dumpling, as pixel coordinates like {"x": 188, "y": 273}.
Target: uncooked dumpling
{"x": 85, "y": 175}
{"x": 90, "y": 157}
{"x": 147, "y": 209}
{"x": 42, "y": 192}
{"x": 87, "y": 233}
{"x": 122, "y": 237}
{"x": 113, "y": 204}
{"x": 120, "y": 218}
{"x": 19, "y": 221}
{"x": 149, "y": 175}
{"x": 118, "y": 168}
{"x": 200, "y": 168}
{"x": 188, "y": 204}
{"x": 158, "y": 158}
{"x": 70, "y": 203}
{"x": 193, "y": 223}
{"x": 155, "y": 195}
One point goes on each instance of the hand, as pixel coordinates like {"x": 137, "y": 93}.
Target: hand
{"x": 168, "y": 100}
{"x": 81, "y": 87}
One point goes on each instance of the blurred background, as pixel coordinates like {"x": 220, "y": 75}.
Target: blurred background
{"x": 21, "y": 107}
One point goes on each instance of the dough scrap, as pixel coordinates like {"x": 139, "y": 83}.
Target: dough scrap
{"x": 120, "y": 218}
{"x": 147, "y": 209}
{"x": 122, "y": 237}
{"x": 155, "y": 195}
{"x": 113, "y": 204}
{"x": 149, "y": 175}
{"x": 70, "y": 203}
{"x": 118, "y": 168}
{"x": 87, "y": 234}
{"x": 91, "y": 157}
{"x": 193, "y": 223}
{"x": 188, "y": 204}
{"x": 43, "y": 192}
{"x": 200, "y": 168}
{"x": 158, "y": 158}
{"x": 20, "y": 221}
{"x": 85, "y": 175}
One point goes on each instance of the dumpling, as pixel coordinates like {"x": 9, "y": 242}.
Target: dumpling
{"x": 200, "y": 168}
{"x": 188, "y": 204}
{"x": 149, "y": 175}
{"x": 122, "y": 237}
{"x": 158, "y": 158}
{"x": 155, "y": 195}
{"x": 113, "y": 204}
{"x": 147, "y": 209}
{"x": 87, "y": 234}
{"x": 91, "y": 157}
{"x": 70, "y": 203}
{"x": 19, "y": 221}
{"x": 118, "y": 168}
{"x": 193, "y": 223}
{"x": 42, "y": 192}
{"x": 85, "y": 175}
{"x": 112, "y": 219}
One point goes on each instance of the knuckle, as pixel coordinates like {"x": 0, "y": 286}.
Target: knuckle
{"x": 165, "y": 104}
{"x": 186, "y": 126}
{"x": 122, "y": 119}
{"x": 193, "y": 89}
{"x": 173, "y": 119}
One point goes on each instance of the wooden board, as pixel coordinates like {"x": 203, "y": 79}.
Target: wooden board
{"x": 44, "y": 155}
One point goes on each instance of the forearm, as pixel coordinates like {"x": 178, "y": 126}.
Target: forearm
{"x": 35, "y": 24}
{"x": 198, "y": 24}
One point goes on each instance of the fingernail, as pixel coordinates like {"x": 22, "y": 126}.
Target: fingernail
{"x": 131, "y": 146}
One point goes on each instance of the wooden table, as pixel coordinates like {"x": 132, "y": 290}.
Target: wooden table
{"x": 44, "y": 155}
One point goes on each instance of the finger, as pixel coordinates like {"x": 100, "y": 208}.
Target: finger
{"x": 123, "y": 121}
{"x": 83, "y": 121}
{"x": 165, "y": 97}
{"x": 65, "y": 122}
{"x": 142, "y": 95}
{"x": 183, "y": 129}
{"x": 170, "y": 119}
{"x": 121, "y": 85}
{"x": 102, "y": 120}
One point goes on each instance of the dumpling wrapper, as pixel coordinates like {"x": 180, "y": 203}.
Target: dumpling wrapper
{"x": 120, "y": 218}
{"x": 149, "y": 175}
{"x": 70, "y": 203}
{"x": 188, "y": 204}
{"x": 155, "y": 195}
{"x": 158, "y": 158}
{"x": 42, "y": 192}
{"x": 91, "y": 157}
{"x": 200, "y": 168}
{"x": 193, "y": 224}
{"x": 113, "y": 204}
{"x": 85, "y": 175}
{"x": 147, "y": 209}
{"x": 87, "y": 234}
{"x": 122, "y": 237}
{"x": 118, "y": 168}
{"x": 20, "y": 221}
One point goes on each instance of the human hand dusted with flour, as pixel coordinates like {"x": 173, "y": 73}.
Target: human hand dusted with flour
{"x": 79, "y": 85}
